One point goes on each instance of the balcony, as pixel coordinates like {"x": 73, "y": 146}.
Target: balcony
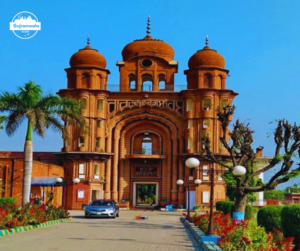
{"x": 142, "y": 153}
{"x": 147, "y": 88}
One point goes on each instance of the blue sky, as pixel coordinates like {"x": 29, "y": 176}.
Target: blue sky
{"x": 258, "y": 39}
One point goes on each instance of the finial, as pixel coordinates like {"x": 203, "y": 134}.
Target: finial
{"x": 88, "y": 40}
{"x": 206, "y": 40}
{"x": 148, "y": 26}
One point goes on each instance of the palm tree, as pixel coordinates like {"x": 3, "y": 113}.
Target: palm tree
{"x": 41, "y": 113}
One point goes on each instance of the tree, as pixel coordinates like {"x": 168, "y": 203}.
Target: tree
{"x": 2, "y": 118}
{"x": 293, "y": 189}
{"x": 238, "y": 144}
{"x": 41, "y": 113}
{"x": 274, "y": 195}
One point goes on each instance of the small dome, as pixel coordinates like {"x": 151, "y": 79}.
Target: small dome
{"x": 148, "y": 46}
{"x": 206, "y": 58}
{"x": 88, "y": 57}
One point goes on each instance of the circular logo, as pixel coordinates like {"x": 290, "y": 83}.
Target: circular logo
{"x": 25, "y": 25}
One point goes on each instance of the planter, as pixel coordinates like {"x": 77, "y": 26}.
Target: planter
{"x": 162, "y": 203}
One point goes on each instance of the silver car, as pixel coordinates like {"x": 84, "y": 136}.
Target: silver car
{"x": 102, "y": 208}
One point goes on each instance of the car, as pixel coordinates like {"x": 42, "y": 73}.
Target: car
{"x": 102, "y": 208}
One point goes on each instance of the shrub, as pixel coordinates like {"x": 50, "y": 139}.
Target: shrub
{"x": 290, "y": 221}
{"x": 228, "y": 207}
{"x": 7, "y": 201}
{"x": 269, "y": 217}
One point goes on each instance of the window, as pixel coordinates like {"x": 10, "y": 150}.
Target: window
{"x": 205, "y": 172}
{"x": 100, "y": 104}
{"x": 190, "y": 124}
{"x": 147, "y": 82}
{"x": 206, "y": 104}
{"x": 85, "y": 79}
{"x": 189, "y": 104}
{"x": 207, "y": 80}
{"x": 132, "y": 82}
{"x": 147, "y": 146}
{"x": 82, "y": 103}
{"x": 223, "y": 103}
{"x": 81, "y": 171}
{"x": 162, "y": 82}
{"x": 98, "y": 142}
{"x": 99, "y": 122}
{"x": 66, "y": 142}
{"x": 205, "y": 197}
{"x": 205, "y": 123}
{"x": 147, "y": 63}
{"x": 81, "y": 141}
{"x": 190, "y": 143}
{"x": 96, "y": 171}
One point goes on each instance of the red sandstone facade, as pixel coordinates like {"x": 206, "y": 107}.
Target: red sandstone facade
{"x": 144, "y": 132}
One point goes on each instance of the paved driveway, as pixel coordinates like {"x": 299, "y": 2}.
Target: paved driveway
{"x": 162, "y": 231}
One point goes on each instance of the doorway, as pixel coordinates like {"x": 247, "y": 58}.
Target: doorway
{"x": 145, "y": 194}
{"x": 95, "y": 194}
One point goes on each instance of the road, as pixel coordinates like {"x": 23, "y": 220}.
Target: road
{"x": 162, "y": 231}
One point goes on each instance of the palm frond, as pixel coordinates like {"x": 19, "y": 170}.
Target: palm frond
{"x": 13, "y": 122}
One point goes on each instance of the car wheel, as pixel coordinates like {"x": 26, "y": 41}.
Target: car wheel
{"x": 117, "y": 214}
{"x": 86, "y": 216}
{"x": 114, "y": 215}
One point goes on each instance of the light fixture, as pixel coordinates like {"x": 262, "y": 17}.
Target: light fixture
{"x": 239, "y": 171}
{"x": 198, "y": 181}
{"x": 59, "y": 180}
{"x": 179, "y": 182}
{"x": 76, "y": 180}
{"x": 146, "y": 133}
{"x": 192, "y": 162}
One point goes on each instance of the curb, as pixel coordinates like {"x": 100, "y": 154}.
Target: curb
{"x": 198, "y": 234}
{"x": 26, "y": 228}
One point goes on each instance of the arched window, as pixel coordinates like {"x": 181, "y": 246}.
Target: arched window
{"x": 96, "y": 171}
{"x": 207, "y": 80}
{"x": 190, "y": 143}
{"x": 81, "y": 141}
{"x": 189, "y": 104}
{"x": 82, "y": 103}
{"x": 98, "y": 142}
{"x": 205, "y": 123}
{"x": 161, "y": 82}
{"x": 207, "y": 104}
{"x": 100, "y": 104}
{"x": 132, "y": 82}
{"x": 81, "y": 171}
{"x": 223, "y": 103}
{"x": 147, "y": 82}
{"x": 147, "y": 145}
{"x": 99, "y": 123}
{"x": 85, "y": 79}
{"x": 99, "y": 81}
{"x": 190, "y": 124}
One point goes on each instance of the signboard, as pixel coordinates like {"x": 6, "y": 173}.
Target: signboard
{"x": 80, "y": 194}
{"x": 145, "y": 169}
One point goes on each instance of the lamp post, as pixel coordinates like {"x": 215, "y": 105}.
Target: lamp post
{"x": 61, "y": 180}
{"x": 193, "y": 163}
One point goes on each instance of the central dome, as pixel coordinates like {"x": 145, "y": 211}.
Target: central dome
{"x": 148, "y": 46}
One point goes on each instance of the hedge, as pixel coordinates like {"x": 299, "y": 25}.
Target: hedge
{"x": 228, "y": 207}
{"x": 7, "y": 201}
{"x": 269, "y": 217}
{"x": 290, "y": 221}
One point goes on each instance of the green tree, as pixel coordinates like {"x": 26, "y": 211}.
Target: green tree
{"x": 40, "y": 112}
{"x": 274, "y": 195}
{"x": 238, "y": 141}
{"x": 2, "y": 118}
{"x": 293, "y": 189}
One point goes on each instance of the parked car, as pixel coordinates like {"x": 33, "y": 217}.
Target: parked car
{"x": 102, "y": 208}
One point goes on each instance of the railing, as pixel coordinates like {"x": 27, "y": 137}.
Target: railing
{"x": 146, "y": 151}
{"x": 146, "y": 88}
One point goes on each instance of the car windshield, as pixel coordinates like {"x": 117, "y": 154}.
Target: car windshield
{"x": 101, "y": 203}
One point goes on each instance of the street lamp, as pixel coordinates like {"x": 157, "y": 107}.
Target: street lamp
{"x": 193, "y": 163}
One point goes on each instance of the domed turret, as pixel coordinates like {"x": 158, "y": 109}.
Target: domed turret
{"x": 88, "y": 57}
{"x": 206, "y": 58}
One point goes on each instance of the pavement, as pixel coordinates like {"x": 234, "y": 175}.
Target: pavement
{"x": 162, "y": 231}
